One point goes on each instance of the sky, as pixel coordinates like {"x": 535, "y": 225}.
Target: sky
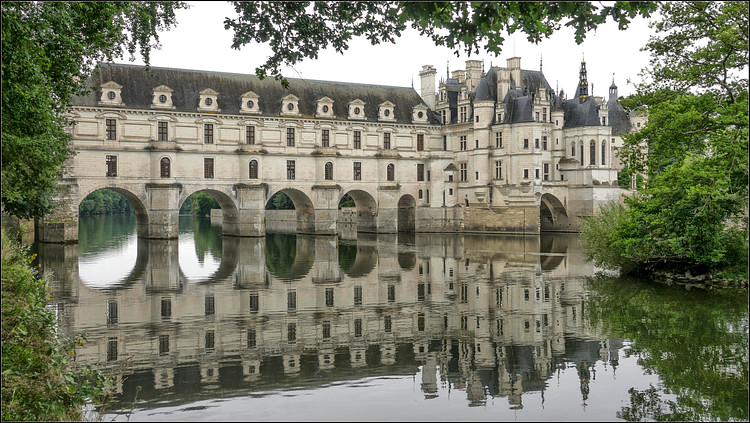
{"x": 200, "y": 42}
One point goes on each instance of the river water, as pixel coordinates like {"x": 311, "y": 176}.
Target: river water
{"x": 419, "y": 327}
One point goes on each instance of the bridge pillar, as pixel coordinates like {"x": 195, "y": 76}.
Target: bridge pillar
{"x": 251, "y": 205}
{"x": 163, "y": 211}
{"x": 163, "y": 266}
{"x": 326, "y": 201}
{"x": 61, "y": 226}
{"x": 387, "y": 219}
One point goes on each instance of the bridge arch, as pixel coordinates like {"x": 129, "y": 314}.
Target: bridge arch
{"x": 552, "y": 214}
{"x": 137, "y": 200}
{"x": 366, "y": 208}
{"x": 229, "y": 211}
{"x": 303, "y": 205}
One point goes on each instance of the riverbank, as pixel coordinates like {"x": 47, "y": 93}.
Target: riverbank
{"x": 37, "y": 384}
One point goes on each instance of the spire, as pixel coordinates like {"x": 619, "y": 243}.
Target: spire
{"x": 540, "y": 63}
{"x": 447, "y": 70}
{"x": 613, "y": 89}
{"x": 583, "y": 84}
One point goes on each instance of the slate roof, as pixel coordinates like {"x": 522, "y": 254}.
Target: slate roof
{"x": 137, "y": 92}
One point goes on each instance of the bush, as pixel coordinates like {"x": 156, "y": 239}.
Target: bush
{"x": 37, "y": 383}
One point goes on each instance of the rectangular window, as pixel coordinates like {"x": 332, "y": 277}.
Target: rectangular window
{"x": 544, "y": 143}
{"x": 536, "y": 143}
{"x": 290, "y": 137}
{"x": 290, "y": 169}
{"x": 420, "y": 142}
{"x": 209, "y": 339}
{"x": 536, "y": 173}
{"x": 445, "y": 142}
{"x": 163, "y": 344}
{"x": 250, "y": 134}
{"x": 420, "y": 172}
{"x": 462, "y": 142}
{"x": 324, "y": 140}
{"x": 391, "y": 293}
{"x": 428, "y": 175}
{"x": 536, "y": 116}
{"x": 111, "y": 349}
{"x": 329, "y": 297}
{"x": 161, "y": 131}
{"x": 498, "y": 169}
{"x": 111, "y": 129}
{"x": 166, "y": 307}
{"x": 525, "y": 143}
{"x": 254, "y": 303}
{"x": 420, "y": 292}
{"x": 526, "y": 174}
{"x": 463, "y": 172}
{"x": 210, "y": 305}
{"x": 110, "y": 165}
{"x": 387, "y": 324}
{"x": 544, "y": 114}
{"x": 358, "y": 295}
{"x": 357, "y": 327}
{"x": 546, "y": 171}
{"x": 208, "y": 133}
{"x": 291, "y": 300}
{"x": 357, "y": 139}
{"x": 357, "y": 171}
{"x": 112, "y": 312}
{"x": 387, "y": 140}
{"x": 208, "y": 168}
{"x": 291, "y": 332}
{"x": 326, "y": 330}
{"x": 498, "y": 140}
{"x": 252, "y": 340}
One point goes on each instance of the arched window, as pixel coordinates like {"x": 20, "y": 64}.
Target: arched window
{"x": 165, "y": 167}
{"x": 592, "y": 152}
{"x": 604, "y": 152}
{"x": 573, "y": 149}
{"x": 253, "y": 169}
{"x": 390, "y": 172}
{"x": 329, "y": 171}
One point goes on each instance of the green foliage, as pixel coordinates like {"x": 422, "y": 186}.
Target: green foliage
{"x": 281, "y": 251}
{"x": 698, "y": 349}
{"x": 49, "y": 49}
{"x": 104, "y": 201}
{"x": 199, "y": 204}
{"x": 37, "y": 383}
{"x": 280, "y": 201}
{"x": 207, "y": 238}
{"x": 299, "y": 30}
{"x": 691, "y": 212}
{"x": 346, "y": 201}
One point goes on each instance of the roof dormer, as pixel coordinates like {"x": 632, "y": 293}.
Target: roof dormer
{"x": 162, "y": 98}
{"x": 385, "y": 111}
{"x": 209, "y": 101}
{"x": 249, "y": 103}
{"x": 324, "y": 108}
{"x": 290, "y": 105}
{"x": 111, "y": 94}
{"x": 419, "y": 114}
{"x": 357, "y": 109}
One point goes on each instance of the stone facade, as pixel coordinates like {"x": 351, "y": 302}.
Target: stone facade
{"x": 478, "y": 154}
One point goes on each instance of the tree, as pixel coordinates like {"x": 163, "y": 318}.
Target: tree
{"x": 692, "y": 212}
{"x": 298, "y": 30}
{"x": 49, "y": 49}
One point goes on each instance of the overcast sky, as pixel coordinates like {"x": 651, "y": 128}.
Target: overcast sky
{"x": 200, "y": 42}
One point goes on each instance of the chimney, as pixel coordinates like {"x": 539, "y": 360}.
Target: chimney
{"x": 514, "y": 64}
{"x": 427, "y": 86}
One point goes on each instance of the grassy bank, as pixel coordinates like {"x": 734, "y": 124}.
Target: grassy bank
{"x": 37, "y": 384}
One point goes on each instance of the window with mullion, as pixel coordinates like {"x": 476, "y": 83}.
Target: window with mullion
{"x": 357, "y": 171}
{"x": 290, "y": 137}
{"x": 324, "y": 140}
{"x": 357, "y": 139}
{"x": 162, "y": 131}
{"x": 111, "y": 129}
{"x": 420, "y": 142}
{"x": 250, "y": 134}
{"x": 387, "y": 140}
{"x": 208, "y": 133}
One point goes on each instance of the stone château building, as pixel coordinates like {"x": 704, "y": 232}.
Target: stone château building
{"x": 496, "y": 151}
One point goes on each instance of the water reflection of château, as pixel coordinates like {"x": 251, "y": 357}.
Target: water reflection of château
{"x": 492, "y": 316}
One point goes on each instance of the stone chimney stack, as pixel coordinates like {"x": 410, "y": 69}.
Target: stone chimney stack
{"x": 474, "y": 73}
{"x": 514, "y": 64}
{"x": 427, "y": 87}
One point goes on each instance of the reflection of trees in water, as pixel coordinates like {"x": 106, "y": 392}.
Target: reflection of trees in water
{"x": 97, "y": 233}
{"x": 207, "y": 238}
{"x": 281, "y": 251}
{"x": 347, "y": 254}
{"x": 696, "y": 341}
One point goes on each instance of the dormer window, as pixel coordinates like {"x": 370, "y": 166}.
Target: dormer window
{"x": 249, "y": 103}
{"x": 324, "y": 108}
{"x": 162, "y": 98}
{"x": 111, "y": 91}
{"x": 357, "y": 109}
{"x": 208, "y": 101}
{"x": 419, "y": 114}
{"x": 290, "y": 105}
{"x": 385, "y": 111}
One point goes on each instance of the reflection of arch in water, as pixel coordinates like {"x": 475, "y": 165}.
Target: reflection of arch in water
{"x": 406, "y": 213}
{"x": 139, "y": 208}
{"x": 356, "y": 260}
{"x": 305, "y": 211}
{"x": 229, "y": 212}
{"x": 227, "y": 264}
{"x": 552, "y": 214}
{"x": 288, "y": 256}
{"x": 366, "y": 208}
{"x": 553, "y": 249}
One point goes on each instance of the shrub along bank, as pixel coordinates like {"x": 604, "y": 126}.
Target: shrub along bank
{"x": 37, "y": 383}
